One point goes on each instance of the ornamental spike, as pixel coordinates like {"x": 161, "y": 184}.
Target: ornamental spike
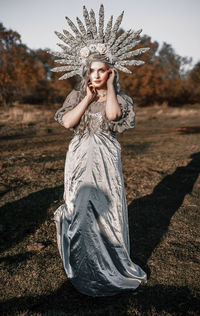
{"x": 134, "y": 53}
{"x": 57, "y": 54}
{"x": 71, "y": 39}
{"x": 67, "y": 61}
{"x": 132, "y": 62}
{"x": 87, "y": 22}
{"x": 63, "y": 38}
{"x": 120, "y": 39}
{"x": 124, "y": 69}
{"x": 70, "y": 74}
{"x": 101, "y": 22}
{"x": 81, "y": 27}
{"x": 108, "y": 29}
{"x": 66, "y": 49}
{"x": 130, "y": 38}
{"x": 93, "y": 23}
{"x": 115, "y": 29}
{"x": 127, "y": 48}
{"x": 62, "y": 68}
{"x": 74, "y": 28}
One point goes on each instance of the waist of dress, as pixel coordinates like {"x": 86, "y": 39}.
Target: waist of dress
{"x": 97, "y": 130}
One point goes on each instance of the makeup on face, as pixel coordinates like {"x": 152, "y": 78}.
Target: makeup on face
{"x": 98, "y": 73}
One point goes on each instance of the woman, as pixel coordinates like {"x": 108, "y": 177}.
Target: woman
{"x": 92, "y": 224}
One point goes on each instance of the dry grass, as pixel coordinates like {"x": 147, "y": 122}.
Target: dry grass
{"x": 161, "y": 165}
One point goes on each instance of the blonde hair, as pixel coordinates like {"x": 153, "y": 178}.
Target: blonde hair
{"x": 81, "y": 86}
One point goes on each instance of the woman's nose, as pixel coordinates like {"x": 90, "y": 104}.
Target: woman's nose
{"x": 96, "y": 75}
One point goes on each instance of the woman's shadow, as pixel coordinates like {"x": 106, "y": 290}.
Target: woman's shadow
{"x": 150, "y": 215}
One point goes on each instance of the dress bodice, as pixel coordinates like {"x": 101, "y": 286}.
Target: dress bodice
{"x": 95, "y": 121}
{"x": 97, "y": 106}
{"x": 96, "y": 112}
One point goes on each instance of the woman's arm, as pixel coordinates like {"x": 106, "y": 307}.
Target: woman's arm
{"x": 72, "y": 117}
{"x": 113, "y": 111}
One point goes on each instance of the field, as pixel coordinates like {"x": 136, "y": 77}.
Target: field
{"x": 161, "y": 166}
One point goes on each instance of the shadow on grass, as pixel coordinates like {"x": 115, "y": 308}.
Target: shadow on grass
{"x": 21, "y": 218}
{"x": 149, "y": 216}
{"x": 154, "y": 300}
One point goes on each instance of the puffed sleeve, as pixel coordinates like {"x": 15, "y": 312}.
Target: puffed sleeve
{"x": 70, "y": 102}
{"x": 127, "y": 119}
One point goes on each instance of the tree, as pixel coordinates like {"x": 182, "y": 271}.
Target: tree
{"x": 17, "y": 69}
{"x": 194, "y": 83}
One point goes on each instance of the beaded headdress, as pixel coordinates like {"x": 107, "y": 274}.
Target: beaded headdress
{"x": 91, "y": 39}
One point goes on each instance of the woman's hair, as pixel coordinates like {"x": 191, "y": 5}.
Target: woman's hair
{"x": 81, "y": 86}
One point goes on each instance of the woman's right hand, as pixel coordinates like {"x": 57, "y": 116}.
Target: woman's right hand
{"x": 91, "y": 91}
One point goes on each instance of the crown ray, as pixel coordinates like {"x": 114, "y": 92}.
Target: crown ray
{"x": 63, "y": 68}
{"x": 108, "y": 29}
{"x": 74, "y": 28}
{"x": 101, "y": 22}
{"x": 65, "y": 48}
{"x": 57, "y": 54}
{"x": 69, "y": 74}
{"x": 63, "y": 38}
{"x": 130, "y": 38}
{"x": 133, "y": 53}
{"x": 67, "y": 62}
{"x": 132, "y": 62}
{"x": 81, "y": 27}
{"x": 93, "y": 23}
{"x": 126, "y": 48}
{"x": 87, "y": 23}
{"x": 68, "y": 50}
{"x": 71, "y": 38}
{"x": 115, "y": 29}
{"x": 119, "y": 40}
{"x": 124, "y": 69}
{"x": 73, "y": 49}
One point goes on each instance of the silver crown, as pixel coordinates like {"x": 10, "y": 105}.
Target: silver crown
{"x": 91, "y": 39}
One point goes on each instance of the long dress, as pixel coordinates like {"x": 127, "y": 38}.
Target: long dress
{"x": 92, "y": 225}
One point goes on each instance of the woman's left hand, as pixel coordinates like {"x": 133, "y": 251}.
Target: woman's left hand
{"x": 111, "y": 78}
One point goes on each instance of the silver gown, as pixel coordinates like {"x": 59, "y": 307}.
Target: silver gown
{"x": 92, "y": 225}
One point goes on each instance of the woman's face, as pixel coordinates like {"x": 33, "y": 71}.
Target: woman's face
{"x": 99, "y": 74}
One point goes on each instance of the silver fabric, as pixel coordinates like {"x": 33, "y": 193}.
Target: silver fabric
{"x": 92, "y": 225}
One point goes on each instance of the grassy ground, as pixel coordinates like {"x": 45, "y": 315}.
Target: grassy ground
{"x": 161, "y": 165}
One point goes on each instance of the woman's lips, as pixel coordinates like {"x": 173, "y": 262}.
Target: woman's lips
{"x": 97, "y": 81}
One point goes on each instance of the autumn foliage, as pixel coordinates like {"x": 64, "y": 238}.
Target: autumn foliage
{"x": 25, "y": 75}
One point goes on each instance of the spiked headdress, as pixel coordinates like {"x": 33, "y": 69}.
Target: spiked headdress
{"x": 89, "y": 39}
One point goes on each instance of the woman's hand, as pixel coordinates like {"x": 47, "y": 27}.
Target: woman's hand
{"x": 111, "y": 78}
{"x": 91, "y": 91}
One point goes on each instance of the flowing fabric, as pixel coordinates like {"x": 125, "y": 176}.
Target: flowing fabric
{"x": 92, "y": 225}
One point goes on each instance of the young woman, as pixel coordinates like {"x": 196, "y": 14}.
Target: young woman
{"x": 92, "y": 225}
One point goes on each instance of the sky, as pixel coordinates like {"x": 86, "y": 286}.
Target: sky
{"x": 176, "y": 22}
